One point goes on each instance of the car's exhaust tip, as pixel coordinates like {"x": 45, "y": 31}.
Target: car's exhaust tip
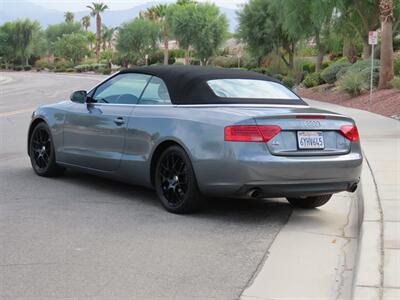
{"x": 254, "y": 193}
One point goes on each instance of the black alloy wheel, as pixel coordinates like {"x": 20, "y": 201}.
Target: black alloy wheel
{"x": 41, "y": 152}
{"x": 175, "y": 182}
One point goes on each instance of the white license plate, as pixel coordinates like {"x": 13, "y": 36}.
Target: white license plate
{"x": 310, "y": 140}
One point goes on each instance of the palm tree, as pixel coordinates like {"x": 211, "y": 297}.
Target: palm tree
{"x": 107, "y": 36}
{"x": 95, "y": 10}
{"x": 69, "y": 17}
{"x": 386, "y": 65}
{"x": 86, "y": 22}
{"x": 158, "y": 14}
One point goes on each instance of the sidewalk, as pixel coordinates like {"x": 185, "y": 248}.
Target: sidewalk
{"x": 321, "y": 254}
{"x": 378, "y": 273}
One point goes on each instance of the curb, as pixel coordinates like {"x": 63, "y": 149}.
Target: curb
{"x": 368, "y": 277}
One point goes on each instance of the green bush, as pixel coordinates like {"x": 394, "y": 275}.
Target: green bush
{"x": 309, "y": 67}
{"x": 325, "y": 65}
{"x": 27, "y": 68}
{"x": 395, "y": 83}
{"x": 106, "y": 71}
{"x": 90, "y": 67}
{"x": 18, "y": 68}
{"x": 396, "y": 43}
{"x": 353, "y": 83}
{"x": 364, "y": 67}
{"x": 312, "y": 79}
{"x": 342, "y": 72}
{"x": 329, "y": 74}
{"x": 289, "y": 81}
{"x": 69, "y": 70}
{"x": 2, "y": 66}
{"x": 223, "y": 61}
{"x": 396, "y": 66}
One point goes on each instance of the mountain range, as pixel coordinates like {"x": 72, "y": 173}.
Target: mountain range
{"x": 10, "y": 11}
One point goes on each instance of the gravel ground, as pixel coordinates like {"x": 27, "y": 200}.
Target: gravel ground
{"x": 384, "y": 102}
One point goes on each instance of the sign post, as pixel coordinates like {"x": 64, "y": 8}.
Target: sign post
{"x": 372, "y": 40}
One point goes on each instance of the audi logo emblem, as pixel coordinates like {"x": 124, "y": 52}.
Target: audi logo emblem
{"x": 312, "y": 124}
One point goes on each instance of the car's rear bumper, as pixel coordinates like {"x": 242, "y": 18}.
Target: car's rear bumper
{"x": 248, "y": 169}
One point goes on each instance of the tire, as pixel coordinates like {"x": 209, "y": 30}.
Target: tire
{"x": 175, "y": 182}
{"x": 41, "y": 152}
{"x": 310, "y": 202}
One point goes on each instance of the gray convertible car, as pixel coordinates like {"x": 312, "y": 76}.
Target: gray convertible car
{"x": 192, "y": 132}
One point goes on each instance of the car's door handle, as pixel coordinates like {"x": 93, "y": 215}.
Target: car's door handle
{"x": 119, "y": 121}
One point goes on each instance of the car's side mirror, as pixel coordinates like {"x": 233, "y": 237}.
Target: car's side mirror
{"x": 78, "y": 96}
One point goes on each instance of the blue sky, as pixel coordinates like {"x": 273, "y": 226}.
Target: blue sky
{"x": 79, "y": 5}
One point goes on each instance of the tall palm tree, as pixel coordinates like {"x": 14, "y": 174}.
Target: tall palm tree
{"x": 95, "y": 10}
{"x": 86, "y": 22}
{"x": 69, "y": 17}
{"x": 158, "y": 14}
{"x": 386, "y": 65}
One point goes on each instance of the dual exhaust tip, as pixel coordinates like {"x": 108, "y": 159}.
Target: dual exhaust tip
{"x": 257, "y": 193}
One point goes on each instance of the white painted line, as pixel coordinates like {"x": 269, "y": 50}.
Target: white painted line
{"x": 16, "y": 112}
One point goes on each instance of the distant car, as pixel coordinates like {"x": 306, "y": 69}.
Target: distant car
{"x": 191, "y": 132}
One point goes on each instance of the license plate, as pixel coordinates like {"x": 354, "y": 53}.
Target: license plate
{"x": 310, "y": 140}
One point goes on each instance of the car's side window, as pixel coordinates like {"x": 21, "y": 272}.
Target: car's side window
{"x": 156, "y": 92}
{"x": 122, "y": 89}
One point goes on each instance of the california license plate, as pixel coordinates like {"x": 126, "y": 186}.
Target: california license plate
{"x": 310, "y": 140}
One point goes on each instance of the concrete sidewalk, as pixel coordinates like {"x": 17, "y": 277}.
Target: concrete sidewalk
{"x": 339, "y": 251}
{"x": 378, "y": 272}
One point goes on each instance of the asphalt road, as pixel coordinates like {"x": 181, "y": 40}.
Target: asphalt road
{"x": 81, "y": 236}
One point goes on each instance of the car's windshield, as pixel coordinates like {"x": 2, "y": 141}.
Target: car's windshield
{"x": 251, "y": 89}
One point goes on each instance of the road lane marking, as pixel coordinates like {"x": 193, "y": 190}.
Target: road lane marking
{"x": 16, "y": 112}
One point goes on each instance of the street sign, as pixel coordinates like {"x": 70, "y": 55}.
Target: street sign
{"x": 373, "y": 37}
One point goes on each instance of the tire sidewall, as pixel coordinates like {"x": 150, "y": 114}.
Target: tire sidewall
{"x": 192, "y": 193}
{"x": 52, "y": 160}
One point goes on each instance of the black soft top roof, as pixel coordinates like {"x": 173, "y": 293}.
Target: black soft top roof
{"x": 188, "y": 84}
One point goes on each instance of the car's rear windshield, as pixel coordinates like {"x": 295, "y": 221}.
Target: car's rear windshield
{"x": 250, "y": 89}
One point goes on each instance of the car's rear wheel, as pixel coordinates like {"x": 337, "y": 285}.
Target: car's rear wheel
{"x": 175, "y": 182}
{"x": 41, "y": 152}
{"x": 309, "y": 202}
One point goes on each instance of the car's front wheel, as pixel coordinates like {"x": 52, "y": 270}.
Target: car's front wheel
{"x": 309, "y": 202}
{"x": 41, "y": 152}
{"x": 175, "y": 182}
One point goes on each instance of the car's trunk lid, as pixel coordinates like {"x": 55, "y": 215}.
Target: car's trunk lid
{"x": 306, "y": 132}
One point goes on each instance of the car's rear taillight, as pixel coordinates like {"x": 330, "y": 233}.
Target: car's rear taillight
{"x": 251, "y": 133}
{"x": 350, "y": 132}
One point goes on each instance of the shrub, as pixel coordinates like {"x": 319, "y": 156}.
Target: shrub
{"x": 27, "y": 68}
{"x": 309, "y": 67}
{"x": 18, "y": 68}
{"x": 325, "y": 65}
{"x": 289, "y": 81}
{"x": 106, "y": 71}
{"x": 312, "y": 80}
{"x": 353, "y": 83}
{"x": 69, "y": 70}
{"x": 342, "y": 71}
{"x": 223, "y": 61}
{"x": 396, "y": 66}
{"x": 396, "y": 43}
{"x": 42, "y": 63}
{"x": 329, "y": 74}
{"x": 395, "y": 83}
{"x": 364, "y": 67}
{"x": 278, "y": 77}
{"x": 2, "y": 66}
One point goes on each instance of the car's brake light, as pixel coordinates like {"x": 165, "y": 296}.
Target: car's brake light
{"x": 350, "y": 132}
{"x": 251, "y": 133}
{"x": 310, "y": 117}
